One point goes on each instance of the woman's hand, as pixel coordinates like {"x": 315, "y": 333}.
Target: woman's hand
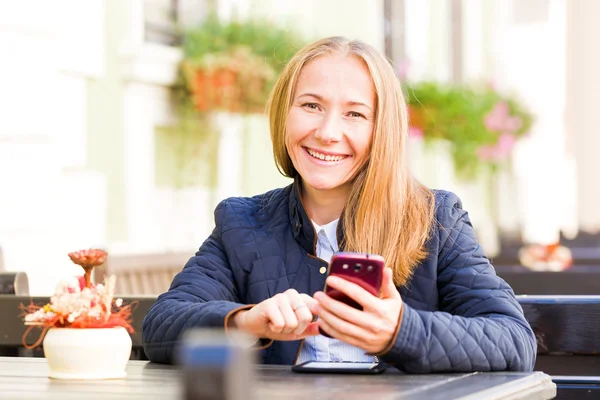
{"x": 285, "y": 316}
{"x": 371, "y": 329}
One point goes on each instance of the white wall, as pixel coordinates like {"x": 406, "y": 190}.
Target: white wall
{"x": 158, "y": 219}
{"x": 529, "y": 42}
{"x": 49, "y": 203}
{"x": 582, "y": 101}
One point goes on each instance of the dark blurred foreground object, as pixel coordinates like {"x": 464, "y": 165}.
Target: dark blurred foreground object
{"x": 14, "y": 283}
{"x": 216, "y": 365}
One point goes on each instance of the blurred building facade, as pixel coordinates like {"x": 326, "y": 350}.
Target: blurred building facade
{"x": 85, "y": 85}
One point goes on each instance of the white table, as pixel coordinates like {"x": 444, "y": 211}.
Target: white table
{"x": 26, "y": 378}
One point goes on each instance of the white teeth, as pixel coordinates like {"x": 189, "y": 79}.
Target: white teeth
{"x": 324, "y": 157}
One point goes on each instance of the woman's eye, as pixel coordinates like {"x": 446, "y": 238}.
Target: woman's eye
{"x": 311, "y": 106}
{"x": 354, "y": 114}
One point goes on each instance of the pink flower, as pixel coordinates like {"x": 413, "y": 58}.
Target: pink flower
{"x": 500, "y": 150}
{"x": 415, "y": 132}
{"x": 505, "y": 144}
{"x": 81, "y": 280}
{"x": 500, "y": 120}
{"x": 402, "y": 69}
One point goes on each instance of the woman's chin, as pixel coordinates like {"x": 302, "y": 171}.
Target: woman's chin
{"x": 324, "y": 185}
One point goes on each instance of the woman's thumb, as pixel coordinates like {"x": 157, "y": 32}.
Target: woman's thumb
{"x": 388, "y": 288}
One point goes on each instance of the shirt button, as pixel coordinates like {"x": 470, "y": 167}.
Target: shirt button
{"x": 323, "y": 270}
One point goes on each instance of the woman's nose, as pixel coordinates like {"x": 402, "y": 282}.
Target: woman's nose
{"x": 330, "y": 130}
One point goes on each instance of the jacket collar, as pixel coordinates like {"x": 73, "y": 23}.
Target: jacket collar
{"x": 302, "y": 227}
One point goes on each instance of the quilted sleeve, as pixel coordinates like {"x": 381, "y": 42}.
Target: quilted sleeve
{"x": 480, "y": 325}
{"x": 201, "y": 295}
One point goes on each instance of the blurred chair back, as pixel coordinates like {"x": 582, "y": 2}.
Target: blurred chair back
{"x": 15, "y": 283}
{"x": 567, "y": 330}
{"x": 143, "y": 274}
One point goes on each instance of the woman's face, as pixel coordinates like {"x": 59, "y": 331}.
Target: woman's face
{"x": 330, "y": 122}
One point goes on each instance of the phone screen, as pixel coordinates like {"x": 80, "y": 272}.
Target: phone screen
{"x": 340, "y": 365}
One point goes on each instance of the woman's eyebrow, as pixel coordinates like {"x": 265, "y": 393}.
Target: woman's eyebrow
{"x": 320, "y": 98}
{"x": 316, "y": 96}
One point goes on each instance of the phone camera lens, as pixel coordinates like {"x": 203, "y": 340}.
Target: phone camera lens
{"x": 357, "y": 267}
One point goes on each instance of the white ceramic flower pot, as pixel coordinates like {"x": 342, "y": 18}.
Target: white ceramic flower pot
{"x": 87, "y": 353}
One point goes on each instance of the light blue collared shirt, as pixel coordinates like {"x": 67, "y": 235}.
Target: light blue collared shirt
{"x": 321, "y": 348}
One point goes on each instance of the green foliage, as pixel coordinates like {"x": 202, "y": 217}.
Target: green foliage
{"x": 272, "y": 44}
{"x": 186, "y": 151}
{"x": 233, "y": 66}
{"x": 458, "y": 113}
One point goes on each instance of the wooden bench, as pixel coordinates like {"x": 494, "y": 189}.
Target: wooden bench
{"x": 567, "y": 330}
{"x": 578, "y": 280}
{"x": 147, "y": 274}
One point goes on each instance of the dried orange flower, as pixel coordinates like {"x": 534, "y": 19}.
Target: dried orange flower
{"x": 88, "y": 259}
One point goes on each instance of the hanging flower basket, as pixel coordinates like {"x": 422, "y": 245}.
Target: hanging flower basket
{"x": 481, "y": 124}
{"x": 215, "y": 89}
{"x": 234, "y": 81}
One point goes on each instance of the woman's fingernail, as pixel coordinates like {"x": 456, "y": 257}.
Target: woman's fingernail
{"x": 318, "y": 295}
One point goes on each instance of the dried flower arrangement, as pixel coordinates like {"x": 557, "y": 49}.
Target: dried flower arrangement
{"x": 79, "y": 303}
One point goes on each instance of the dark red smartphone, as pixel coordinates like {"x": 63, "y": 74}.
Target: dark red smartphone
{"x": 365, "y": 270}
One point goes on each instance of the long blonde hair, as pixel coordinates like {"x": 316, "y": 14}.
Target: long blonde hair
{"x": 388, "y": 212}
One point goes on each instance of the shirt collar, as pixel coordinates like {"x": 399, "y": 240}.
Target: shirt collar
{"x": 330, "y": 231}
{"x": 302, "y": 229}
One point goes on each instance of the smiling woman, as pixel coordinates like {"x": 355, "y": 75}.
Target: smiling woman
{"x": 339, "y": 127}
{"x": 329, "y": 128}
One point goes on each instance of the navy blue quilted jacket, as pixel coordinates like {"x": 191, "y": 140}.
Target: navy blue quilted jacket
{"x": 458, "y": 314}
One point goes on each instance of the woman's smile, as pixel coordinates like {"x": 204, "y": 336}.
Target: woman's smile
{"x": 321, "y": 157}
